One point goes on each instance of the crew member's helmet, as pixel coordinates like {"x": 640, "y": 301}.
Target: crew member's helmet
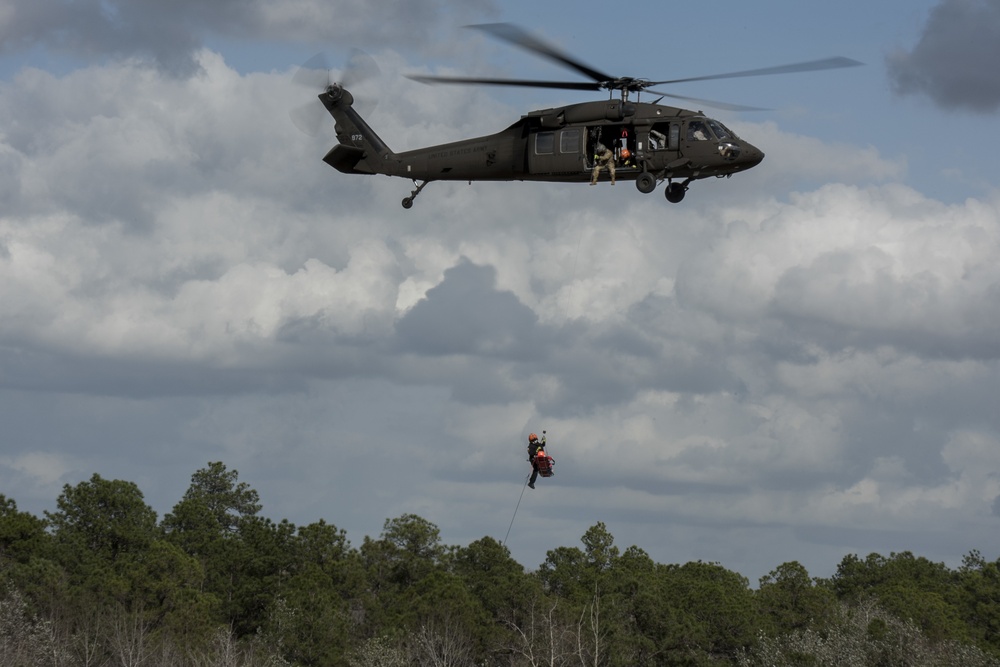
{"x": 626, "y": 154}
{"x": 532, "y": 437}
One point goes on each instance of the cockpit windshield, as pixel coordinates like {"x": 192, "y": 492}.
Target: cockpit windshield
{"x": 721, "y": 131}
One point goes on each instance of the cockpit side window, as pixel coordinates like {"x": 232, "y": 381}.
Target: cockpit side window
{"x": 698, "y": 131}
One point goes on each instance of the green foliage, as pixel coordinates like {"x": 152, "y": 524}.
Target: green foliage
{"x": 98, "y": 581}
{"x": 789, "y": 600}
{"x": 102, "y": 519}
{"x": 712, "y": 607}
{"x": 240, "y": 554}
{"x": 599, "y": 547}
{"x": 223, "y": 500}
{"x": 168, "y": 585}
{"x": 502, "y": 590}
{"x": 413, "y": 540}
{"x": 22, "y": 535}
{"x": 408, "y": 550}
{"x": 564, "y": 574}
{"x": 909, "y": 587}
{"x": 979, "y": 600}
{"x": 496, "y": 580}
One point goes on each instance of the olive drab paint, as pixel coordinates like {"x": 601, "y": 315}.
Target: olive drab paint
{"x": 652, "y": 142}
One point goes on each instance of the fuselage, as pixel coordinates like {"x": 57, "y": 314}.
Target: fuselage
{"x": 648, "y": 141}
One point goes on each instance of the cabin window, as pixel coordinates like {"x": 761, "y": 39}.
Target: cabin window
{"x": 658, "y": 137}
{"x": 569, "y": 141}
{"x": 545, "y": 143}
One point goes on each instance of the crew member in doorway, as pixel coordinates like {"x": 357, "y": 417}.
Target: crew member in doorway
{"x": 604, "y": 158}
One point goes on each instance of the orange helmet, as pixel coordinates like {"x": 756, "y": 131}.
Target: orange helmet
{"x": 626, "y": 153}
{"x": 532, "y": 437}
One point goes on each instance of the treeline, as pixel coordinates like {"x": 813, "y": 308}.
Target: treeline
{"x": 102, "y": 581}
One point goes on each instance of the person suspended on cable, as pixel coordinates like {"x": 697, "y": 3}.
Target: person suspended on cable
{"x": 541, "y": 463}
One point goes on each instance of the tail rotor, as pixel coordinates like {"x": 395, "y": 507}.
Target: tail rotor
{"x": 315, "y": 74}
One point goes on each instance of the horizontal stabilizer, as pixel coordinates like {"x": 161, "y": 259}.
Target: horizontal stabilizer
{"x": 345, "y": 159}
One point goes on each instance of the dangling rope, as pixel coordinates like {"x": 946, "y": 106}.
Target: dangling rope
{"x": 515, "y": 510}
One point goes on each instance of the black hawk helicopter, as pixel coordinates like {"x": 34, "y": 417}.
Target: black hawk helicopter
{"x": 649, "y": 142}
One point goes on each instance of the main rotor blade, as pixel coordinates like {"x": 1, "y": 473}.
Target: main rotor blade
{"x": 528, "y": 83}
{"x": 520, "y": 37}
{"x": 708, "y": 103}
{"x": 809, "y": 66}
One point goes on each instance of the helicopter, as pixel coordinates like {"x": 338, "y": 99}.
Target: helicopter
{"x": 648, "y": 142}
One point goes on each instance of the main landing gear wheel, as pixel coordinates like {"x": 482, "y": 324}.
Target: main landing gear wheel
{"x": 645, "y": 182}
{"x": 675, "y": 193}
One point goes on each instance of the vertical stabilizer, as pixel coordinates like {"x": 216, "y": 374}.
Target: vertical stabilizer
{"x": 361, "y": 150}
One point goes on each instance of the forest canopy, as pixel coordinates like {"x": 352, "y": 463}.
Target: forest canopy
{"x": 103, "y": 581}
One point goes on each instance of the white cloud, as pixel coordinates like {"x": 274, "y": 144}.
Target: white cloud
{"x": 816, "y": 361}
{"x": 44, "y": 468}
{"x": 795, "y": 159}
{"x": 171, "y": 38}
{"x": 866, "y": 266}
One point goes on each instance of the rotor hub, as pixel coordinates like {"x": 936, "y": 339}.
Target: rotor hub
{"x": 335, "y": 92}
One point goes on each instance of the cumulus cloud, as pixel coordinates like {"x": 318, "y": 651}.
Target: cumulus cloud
{"x": 862, "y": 268}
{"x": 171, "y": 35}
{"x": 182, "y": 278}
{"x": 795, "y": 160}
{"x": 465, "y": 314}
{"x": 45, "y": 467}
{"x": 950, "y": 63}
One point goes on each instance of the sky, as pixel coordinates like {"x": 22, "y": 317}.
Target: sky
{"x": 795, "y": 364}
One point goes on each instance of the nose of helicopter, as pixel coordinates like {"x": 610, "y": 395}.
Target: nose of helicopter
{"x": 752, "y": 156}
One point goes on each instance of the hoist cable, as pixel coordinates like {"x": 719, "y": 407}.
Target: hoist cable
{"x": 515, "y": 511}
